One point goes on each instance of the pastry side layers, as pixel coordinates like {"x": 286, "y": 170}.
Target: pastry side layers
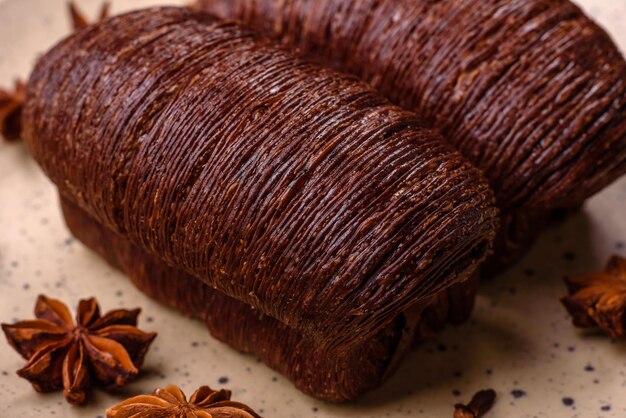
{"x": 331, "y": 375}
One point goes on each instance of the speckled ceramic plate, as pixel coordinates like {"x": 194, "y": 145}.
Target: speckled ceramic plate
{"x": 520, "y": 341}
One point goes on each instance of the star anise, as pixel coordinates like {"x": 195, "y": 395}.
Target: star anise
{"x": 599, "y": 299}
{"x": 11, "y": 103}
{"x": 78, "y": 18}
{"x": 106, "y": 349}
{"x": 170, "y": 402}
{"x": 480, "y": 404}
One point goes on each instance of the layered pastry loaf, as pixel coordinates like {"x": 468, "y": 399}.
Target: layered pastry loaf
{"x": 304, "y": 217}
{"x": 532, "y": 92}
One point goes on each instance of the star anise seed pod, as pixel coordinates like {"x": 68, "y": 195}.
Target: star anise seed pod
{"x": 599, "y": 299}
{"x": 481, "y": 403}
{"x": 78, "y": 18}
{"x": 106, "y": 349}
{"x": 11, "y": 103}
{"x": 170, "y": 402}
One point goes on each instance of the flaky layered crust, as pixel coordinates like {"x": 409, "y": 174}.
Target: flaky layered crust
{"x": 531, "y": 91}
{"x": 298, "y": 194}
{"x": 333, "y": 375}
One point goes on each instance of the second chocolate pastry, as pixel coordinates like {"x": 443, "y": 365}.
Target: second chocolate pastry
{"x": 533, "y": 92}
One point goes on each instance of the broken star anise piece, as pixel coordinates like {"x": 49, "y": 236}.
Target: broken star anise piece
{"x": 599, "y": 299}
{"x": 11, "y": 103}
{"x": 170, "y": 402}
{"x": 106, "y": 349}
{"x": 480, "y": 404}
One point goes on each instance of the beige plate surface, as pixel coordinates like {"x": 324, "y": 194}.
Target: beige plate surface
{"x": 519, "y": 340}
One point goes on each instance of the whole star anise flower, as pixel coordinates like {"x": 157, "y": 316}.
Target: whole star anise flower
{"x": 11, "y": 103}
{"x": 170, "y": 402}
{"x": 599, "y": 299}
{"x": 78, "y": 19}
{"x": 107, "y": 349}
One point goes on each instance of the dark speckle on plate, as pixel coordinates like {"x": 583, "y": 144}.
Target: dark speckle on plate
{"x": 567, "y": 401}
{"x": 222, "y": 380}
{"x": 518, "y": 393}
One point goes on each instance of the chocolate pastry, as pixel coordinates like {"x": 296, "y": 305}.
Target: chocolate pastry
{"x": 533, "y": 92}
{"x": 306, "y": 218}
